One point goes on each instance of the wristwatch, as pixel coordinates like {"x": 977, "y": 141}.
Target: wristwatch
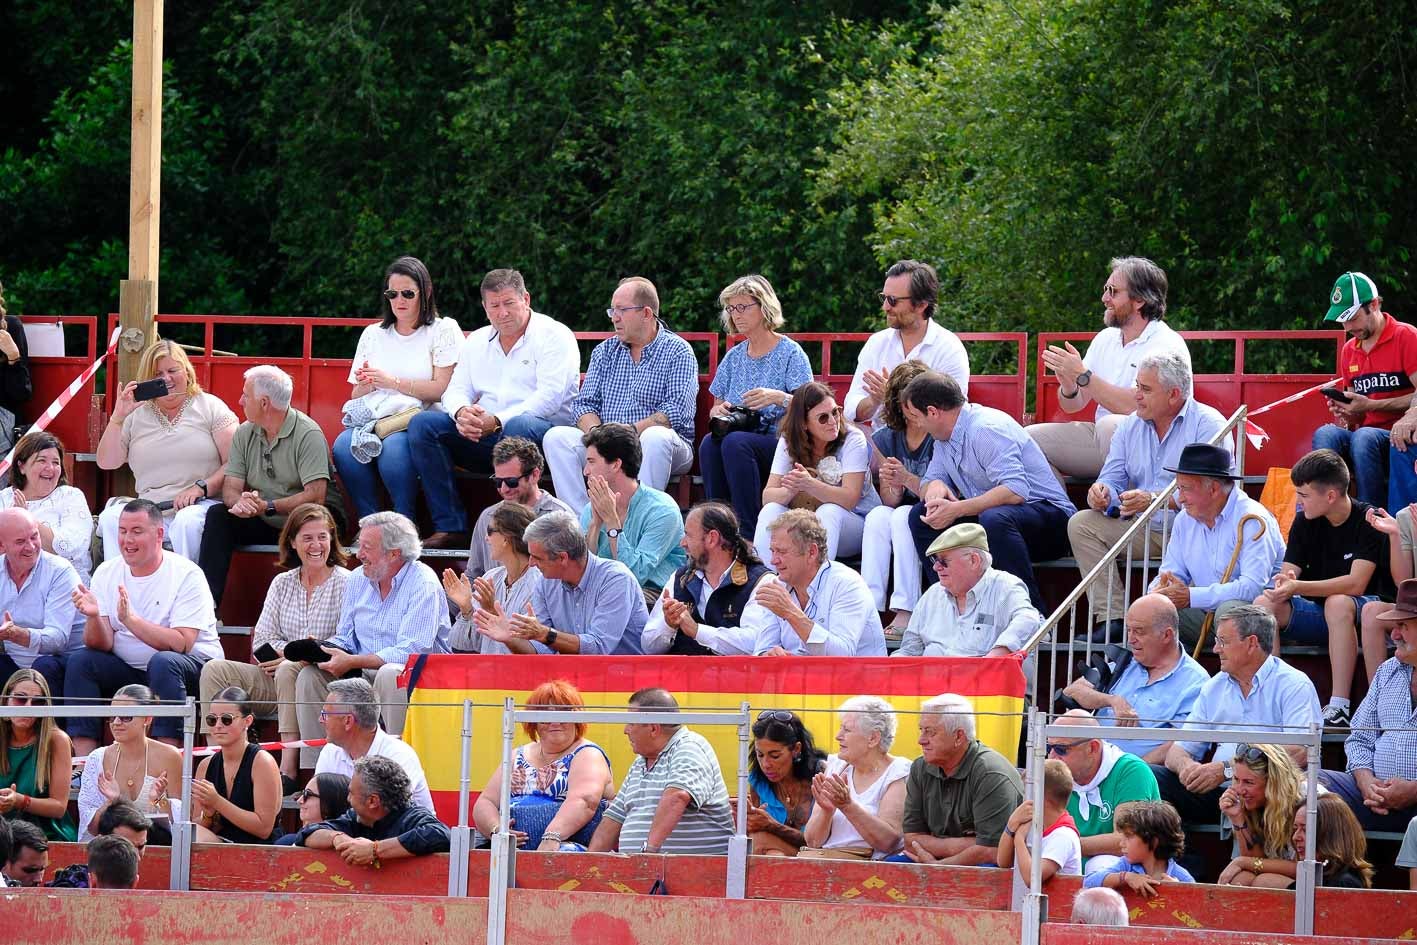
{"x": 646, "y": 848}
{"x": 1229, "y": 770}
{"x": 1084, "y": 379}
{"x": 271, "y": 507}
{"x": 202, "y": 484}
{"x": 613, "y": 532}
{"x": 550, "y": 639}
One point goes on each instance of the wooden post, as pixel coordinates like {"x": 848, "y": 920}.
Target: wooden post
{"x": 137, "y": 306}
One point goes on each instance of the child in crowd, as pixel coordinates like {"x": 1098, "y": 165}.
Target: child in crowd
{"x": 1151, "y": 840}
{"x": 1062, "y": 848}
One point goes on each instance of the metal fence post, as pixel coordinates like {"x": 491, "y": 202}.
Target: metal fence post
{"x": 736, "y": 886}
{"x": 1307, "y": 877}
{"x": 461, "y": 846}
{"x": 180, "y": 875}
{"x": 504, "y": 845}
{"x": 1035, "y": 904}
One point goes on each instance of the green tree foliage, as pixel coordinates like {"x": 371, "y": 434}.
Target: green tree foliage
{"x": 1255, "y": 148}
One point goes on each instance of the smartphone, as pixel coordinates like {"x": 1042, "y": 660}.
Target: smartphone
{"x": 265, "y": 653}
{"x": 150, "y": 390}
{"x": 1333, "y": 393}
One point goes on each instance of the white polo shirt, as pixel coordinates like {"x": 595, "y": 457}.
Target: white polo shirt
{"x": 336, "y": 760}
{"x": 1116, "y": 363}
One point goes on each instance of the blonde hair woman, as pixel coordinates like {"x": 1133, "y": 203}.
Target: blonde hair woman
{"x": 1260, "y": 803}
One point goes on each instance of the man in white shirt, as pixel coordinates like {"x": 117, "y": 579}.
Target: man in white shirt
{"x": 1133, "y": 306}
{"x": 149, "y": 618}
{"x": 908, "y": 299}
{"x": 816, "y": 607}
{"x": 350, "y": 718}
{"x": 516, "y": 376}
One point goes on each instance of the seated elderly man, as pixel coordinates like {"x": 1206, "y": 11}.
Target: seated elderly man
{"x": 37, "y": 593}
{"x": 381, "y": 823}
{"x": 673, "y": 799}
{"x": 148, "y": 619}
{"x": 1380, "y": 784}
{"x": 706, "y": 599}
{"x": 349, "y": 720}
{"x": 29, "y": 854}
{"x": 1104, "y": 776}
{"x": 113, "y": 863}
{"x": 517, "y": 465}
{"x": 394, "y": 607}
{"x": 1202, "y": 544}
{"x": 960, "y": 792}
{"x": 975, "y": 609}
{"x": 1167, "y": 419}
{"x": 581, "y": 603}
{"x": 1253, "y": 689}
{"x": 625, "y": 519}
{"x": 1156, "y": 682}
{"x": 816, "y": 607}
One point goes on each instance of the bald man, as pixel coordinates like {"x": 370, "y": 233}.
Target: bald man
{"x": 1104, "y": 776}
{"x": 39, "y": 625}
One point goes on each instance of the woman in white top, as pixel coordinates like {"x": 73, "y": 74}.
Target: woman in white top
{"x": 38, "y": 483}
{"x": 824, "y": 465}
{"x": 860, "y": 798}
{"x": 176, "y": 446}
{"x": 134, "y": 768}
{"x": 303, "y": 602}
{"x": 412, "y": 351}
{"x": 507, "y": 587}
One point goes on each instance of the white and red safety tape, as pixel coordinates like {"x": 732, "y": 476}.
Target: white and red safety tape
{"x": 268, "y": 746}
{"x": 1255, "y": 433}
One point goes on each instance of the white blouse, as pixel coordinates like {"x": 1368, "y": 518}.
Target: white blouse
{"x": 66, "y": 511}
{"x": 409, "y": 357}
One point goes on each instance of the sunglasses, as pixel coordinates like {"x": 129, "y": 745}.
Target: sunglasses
{"x": 305, "y": 795}
{"x": 1250, "y": 755}
{"x": 224, "y": 719}
{"x": 125, "y": 719}
{"x": 1062, "y": 748}
{"x": 508, "y": 482}
{"x": 894, "y": 300}
{"x": 28, "y": 700}
{"x": 776, "y": 715}
{"x": 392, "y": 294}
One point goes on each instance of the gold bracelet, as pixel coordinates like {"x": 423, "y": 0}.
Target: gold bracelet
{"x": 1259, "y": 864}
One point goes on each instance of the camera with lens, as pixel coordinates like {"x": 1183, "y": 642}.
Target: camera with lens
{"x": 734, "y": 420}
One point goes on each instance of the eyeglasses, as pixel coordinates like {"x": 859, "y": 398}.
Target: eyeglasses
{"x": 894, "y": 300}
{"x": 305, "y": 795}
{"x": 776, "y": 715}
{"x": 326, "y": 713}
{"x": 224, "y": 719}
{"x": 940, "y": 561}
{"x": 27, "y": 700}
{"x": 124, "y": 719}
{"x": 392, "y": 294}
{"x": 1251, "y": 756}
{"x": 620, "y": 310}
{"x": 1062, "y": 748}
{"x": 1111, "y": 290}
{"x": 739, "y": 309}
{"x": 509, "y": 482}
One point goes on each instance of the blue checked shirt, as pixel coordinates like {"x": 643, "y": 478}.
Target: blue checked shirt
{"x": 666, "y": 380}
{"x": 1138, "y": 459}
{"x": 988, "y": 448}
{"x": 412, "y": 619}
{"x": 1199, "y": 555}
{"x": 1390, "y": 752}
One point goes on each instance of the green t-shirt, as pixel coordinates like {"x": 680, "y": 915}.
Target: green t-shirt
{"x": 1129, "y": 780}
{"x": 977, "y": 799}
{"x": 298, "y": 457}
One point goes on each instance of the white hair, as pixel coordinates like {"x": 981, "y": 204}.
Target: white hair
{"x": 267, "y": 380}
{"x": 1100, "y": 906}
{"x": 985, "y": 558}
{"x": 396, "y": 533}
{"x": 873, "y": 714}
{"x": 1171, "y": 370}
{"x": 955, "y": 712}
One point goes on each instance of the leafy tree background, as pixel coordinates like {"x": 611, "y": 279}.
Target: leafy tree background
{"x": 1255, "y": 148}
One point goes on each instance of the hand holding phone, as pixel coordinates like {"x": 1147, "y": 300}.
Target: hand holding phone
{"x": 1333, "y": 393}
{"x": 150, "y": 390}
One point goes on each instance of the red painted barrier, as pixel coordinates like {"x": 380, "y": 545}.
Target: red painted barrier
{"x": 1088, "y": 935}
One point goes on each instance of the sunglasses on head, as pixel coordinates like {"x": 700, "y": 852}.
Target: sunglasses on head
{"x": 776, "y": 715}
{"x": 392, "y": 294}
{"x": 224, "y": 719}
{"x": 1250, "y": 755}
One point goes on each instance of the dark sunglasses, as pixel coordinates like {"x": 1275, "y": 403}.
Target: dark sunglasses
{"x": 508, "y": 482}
{"x": 224, "y": 719}
{"x": 125, "y": 719}
{"x": 776, "y": 715}
{"x": 305, "y": 795}
{"x": 392, "y": 294}
{"x": 1250, "y": 755}
{"x": 1062, "y": 748}
{"x": 28, "y": 700}
{"x": 894, "y": 300}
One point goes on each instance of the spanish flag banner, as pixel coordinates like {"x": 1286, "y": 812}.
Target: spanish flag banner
{"x": 813, "y": 686}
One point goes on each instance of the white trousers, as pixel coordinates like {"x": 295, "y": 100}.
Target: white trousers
{"x": 184, "y": 527}
{"x": 887, "y": 547}
{"x": 664, "y": 455}
{"x": 844, "y": 529}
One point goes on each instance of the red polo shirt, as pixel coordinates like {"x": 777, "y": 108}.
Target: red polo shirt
{"x": 1382, "y": 373}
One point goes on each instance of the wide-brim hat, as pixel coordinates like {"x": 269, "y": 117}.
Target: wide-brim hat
{"x": 1351, "y": 292}
{"x": 1405, "y": 608}
{"x": 1202, "y": 459}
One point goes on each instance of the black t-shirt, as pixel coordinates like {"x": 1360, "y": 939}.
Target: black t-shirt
{"x": 1322, "y": 551}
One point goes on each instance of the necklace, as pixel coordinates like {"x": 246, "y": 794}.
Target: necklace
{"x": 118, "y": 761}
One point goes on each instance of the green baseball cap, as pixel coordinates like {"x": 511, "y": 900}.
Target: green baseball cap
{"x": 1352, "y": 291}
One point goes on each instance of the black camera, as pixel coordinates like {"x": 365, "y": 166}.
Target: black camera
{"x": 736, "y": 419}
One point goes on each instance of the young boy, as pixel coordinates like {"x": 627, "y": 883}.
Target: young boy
{"x": 1151, "y": 840}
{"x": 1062, "y": 848}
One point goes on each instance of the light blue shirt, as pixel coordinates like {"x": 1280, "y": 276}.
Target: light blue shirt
{"x": 1171, "y": 698}
{"x": 44, "y": 606}
{"x": 783, "y": 368}
{"x": 412, "y": 619}
{"x": 1198, "y": 555}
{"x": 1138, "y": 458}
{"x": 1279, "y": 695}
{"x": 1384, "y": 733}
{"x": 649, "y": 541}
{"x": 606, "y": 609}
{"x": 988, "y": 448}
{"x": 843, "y": 615}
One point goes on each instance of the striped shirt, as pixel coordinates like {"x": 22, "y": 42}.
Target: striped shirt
{"x": 290, "y": 614}
{"x": 412, "y": 619}
{"x": 1391, "y": 751}
{"x": 688, "y": 763}
{"x": 620, "y": 390}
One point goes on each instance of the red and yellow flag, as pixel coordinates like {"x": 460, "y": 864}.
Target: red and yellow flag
{"x": 812, "y": 686}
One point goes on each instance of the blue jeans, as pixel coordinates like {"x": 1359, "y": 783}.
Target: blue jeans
{"x": 1345, "y": 786}
{"x": 1017, "y": 534}
{"x": 95, "y": 675}
{"x": 436, "y": 445}
{"x": 735, "y": 469}
{"x": 1307, "y": 625}
{"x": 394, "y": 467}
{"x": 1402, "y": 478}
{"x": 1366, "y": 450}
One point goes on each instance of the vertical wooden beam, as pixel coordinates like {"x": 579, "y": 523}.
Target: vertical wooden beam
{"x": 138, "y": 293}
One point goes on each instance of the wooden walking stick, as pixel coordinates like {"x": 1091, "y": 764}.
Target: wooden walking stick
{"x": 1229, "y": 569}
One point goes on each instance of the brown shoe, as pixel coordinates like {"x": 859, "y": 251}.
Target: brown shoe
{"x": 458, "y": 540}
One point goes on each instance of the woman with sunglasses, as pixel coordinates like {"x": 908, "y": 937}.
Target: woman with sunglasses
{"x": 323, "y": 799}
{"x": 236, "y": 793}
{"x": 860, "y": 798}
{"x": 412, "y": 351}
{"x": 1260, "y": 803}
{"x": 303, "y": 602}
{"x": 504, "y": 589}
{"x": 781, "y": 766}
{"x": 39, "y": 484}
{"x": 134, "y": 768}
{"x": 822, "y": 464}
{"x": 176, "y": 445}
{"x": 36, "y": 760}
